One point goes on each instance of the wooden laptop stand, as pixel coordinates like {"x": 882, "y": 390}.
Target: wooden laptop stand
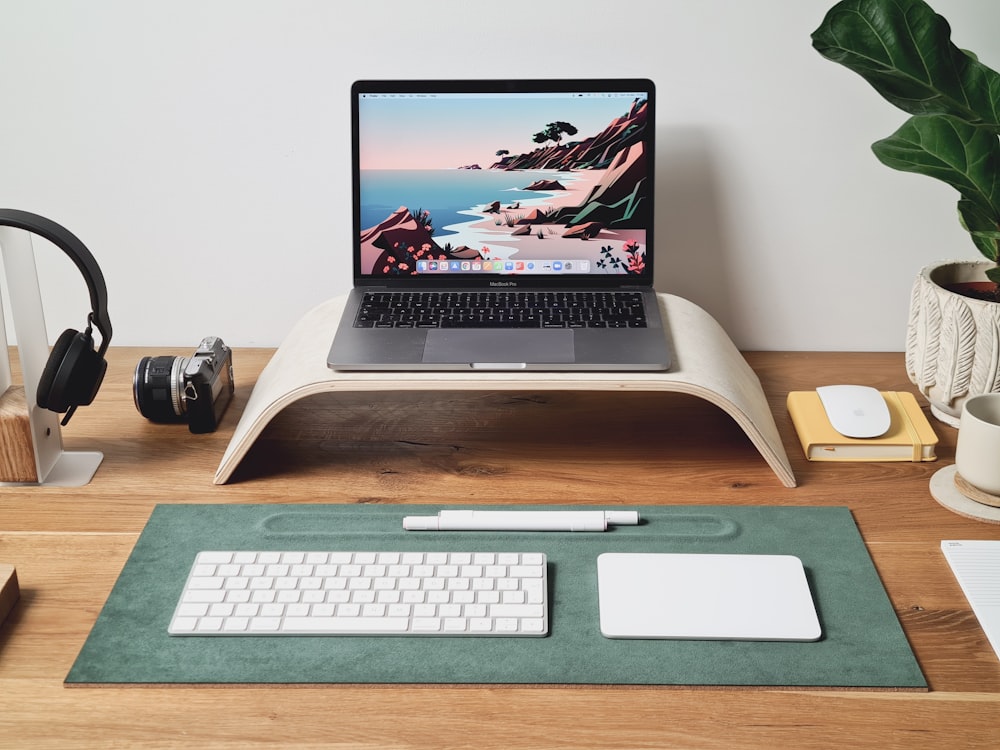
{"x": 706, "y": 364}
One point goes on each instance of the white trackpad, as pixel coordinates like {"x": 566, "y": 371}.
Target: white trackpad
{"x": 705, "y": 597}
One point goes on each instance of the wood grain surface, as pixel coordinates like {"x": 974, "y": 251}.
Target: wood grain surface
{"x": 17, "y": 459}
{"x": 68, "y": 546}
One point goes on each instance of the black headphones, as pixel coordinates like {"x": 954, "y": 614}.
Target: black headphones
{"x": 74, "y": 370}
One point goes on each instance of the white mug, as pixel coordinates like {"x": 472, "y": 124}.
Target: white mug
{"x": 977, "y": 455}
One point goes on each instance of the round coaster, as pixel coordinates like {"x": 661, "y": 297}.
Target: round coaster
{"x": 944, "y": 490}
{"x": 974, "y": 493}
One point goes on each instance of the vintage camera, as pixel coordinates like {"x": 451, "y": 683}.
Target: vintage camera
{"x": 195, "y": 390}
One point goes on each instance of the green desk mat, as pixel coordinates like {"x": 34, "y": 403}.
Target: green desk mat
{"x": 863, "y": 645}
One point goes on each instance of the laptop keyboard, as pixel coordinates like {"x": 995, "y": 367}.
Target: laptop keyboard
{"x": 523, "y": 309}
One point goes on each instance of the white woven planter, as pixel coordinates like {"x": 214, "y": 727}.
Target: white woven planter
{"x": 952, "y": 342}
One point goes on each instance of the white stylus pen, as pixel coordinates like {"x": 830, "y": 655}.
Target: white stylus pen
{"x": 521, "y": 520}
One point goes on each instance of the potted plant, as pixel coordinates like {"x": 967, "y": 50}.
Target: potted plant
{"x": 904, "y": 50}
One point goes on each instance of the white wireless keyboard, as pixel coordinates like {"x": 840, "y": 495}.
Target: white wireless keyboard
{"x": 364, "y": 593}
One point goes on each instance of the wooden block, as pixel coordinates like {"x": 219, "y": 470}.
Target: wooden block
{"x": 9, "y": 592}
{"x": 17, "y": 452}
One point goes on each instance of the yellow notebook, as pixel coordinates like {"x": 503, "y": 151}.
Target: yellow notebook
{"x": 910, "y": 436}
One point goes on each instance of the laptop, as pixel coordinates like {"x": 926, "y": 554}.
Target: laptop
{"x": 502, "y": 226}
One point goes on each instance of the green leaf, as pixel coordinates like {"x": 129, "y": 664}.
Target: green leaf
{"x": 903, "y": 49}
{"x": 993, "y": 274}
{"x": 984, "y": 230}
{"x": 948, "y": 149}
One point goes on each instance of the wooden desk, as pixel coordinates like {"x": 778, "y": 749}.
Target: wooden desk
{"x": 69, "y": 545}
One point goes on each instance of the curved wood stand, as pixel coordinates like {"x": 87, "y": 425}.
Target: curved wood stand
{"x": 706, "y": 364}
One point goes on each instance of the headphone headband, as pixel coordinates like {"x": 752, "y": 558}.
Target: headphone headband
{"x": 81, "y": 256}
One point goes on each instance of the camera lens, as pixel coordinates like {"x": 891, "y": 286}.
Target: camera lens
{"x": 158, "y": 387}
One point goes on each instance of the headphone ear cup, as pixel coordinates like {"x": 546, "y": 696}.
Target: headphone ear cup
{"x": 72, "y": 374}
{"x": 56, "y": 356}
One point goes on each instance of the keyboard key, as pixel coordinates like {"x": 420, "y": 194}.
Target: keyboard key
{"x": 516, "y": 610}
{"x": 199, "y": 596}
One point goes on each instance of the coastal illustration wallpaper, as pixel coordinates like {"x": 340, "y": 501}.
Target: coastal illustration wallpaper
{"x": 490, "y": 183}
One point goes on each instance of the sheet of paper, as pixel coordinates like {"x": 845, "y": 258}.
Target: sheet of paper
{"x": 976, "y": 565}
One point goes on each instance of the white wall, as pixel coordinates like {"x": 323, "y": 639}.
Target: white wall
{"x": 200, "y": 148}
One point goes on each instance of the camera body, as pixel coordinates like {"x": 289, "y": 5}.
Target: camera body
{"x": 195, "y": 389}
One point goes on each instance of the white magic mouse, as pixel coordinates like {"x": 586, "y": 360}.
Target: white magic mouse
{"x": 855, "y": 411}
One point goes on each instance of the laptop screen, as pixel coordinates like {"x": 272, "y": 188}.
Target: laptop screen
{"x": 532, "y": 182}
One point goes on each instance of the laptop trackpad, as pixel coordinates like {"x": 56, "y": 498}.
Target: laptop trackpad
{"x": 505, "y": 348}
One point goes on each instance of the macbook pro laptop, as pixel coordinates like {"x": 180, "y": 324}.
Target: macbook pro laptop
{"x": 502, "y": 225}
